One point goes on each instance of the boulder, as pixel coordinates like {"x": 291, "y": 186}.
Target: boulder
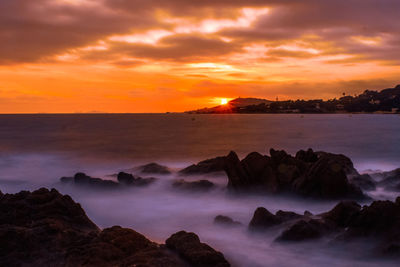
{"x": 226, "y": 221}
{"x": 263, "y": 219}
{"x": 303, "y": 230}
{"x": 45, "y": 228}
{"x": 84, "y": 180}
{"x": 195, "y": 186}
{"x": 206, "y": 166}
{"x": 130, "y": 180}
{"x": 189, "y": 247}
{"x": 327, "y": 179}
{"x": 310, "y": 174}
{"x": 342, "y": 213}
{"x": 154, "y": 168}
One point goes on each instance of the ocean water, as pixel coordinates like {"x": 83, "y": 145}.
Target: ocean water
{"x": 36, "y": 150}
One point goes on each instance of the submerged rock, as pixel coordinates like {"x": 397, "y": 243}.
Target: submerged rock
{"x": 226, "y": 221}
{"x": 154, "y": 168}
{"x": 206, "y": 166}
{"x": 310, "y": 174}
{"x": 189, "y": 247}
{"x": 45, "y": 228}
{"x": 196, "y": 186}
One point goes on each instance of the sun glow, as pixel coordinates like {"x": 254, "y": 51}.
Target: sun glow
{"x": 224, "y": 101}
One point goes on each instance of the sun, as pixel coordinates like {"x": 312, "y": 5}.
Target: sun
{"x": 224, "y": 101}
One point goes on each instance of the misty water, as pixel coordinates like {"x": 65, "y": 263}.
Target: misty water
{"x": 36, "y": 150}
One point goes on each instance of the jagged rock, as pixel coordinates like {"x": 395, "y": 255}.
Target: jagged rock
{"x": 287, "y": 215}
{"x": 342, "y": 213}
{"x": 154, "y": 168}
{"x": 263, "y": 219}
{"x": 311, "y": 174}
{"x": 45, "y": 228}
{"x": 198, "y": 186}
{"x": 130, "y": 180}
{"x": 303, "y": 230}
{"x": 189, "y": 247}
{"x": 327, "y": 178}
{"x": 226, "y": 221}
{"x": 364, "y": 182}
{"x": 206, "y": 166}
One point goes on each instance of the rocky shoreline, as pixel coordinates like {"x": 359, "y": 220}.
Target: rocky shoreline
{"x": 46, "y": 228}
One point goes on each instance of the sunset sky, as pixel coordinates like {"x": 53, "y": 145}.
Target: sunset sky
{"x": 176, "y": 55}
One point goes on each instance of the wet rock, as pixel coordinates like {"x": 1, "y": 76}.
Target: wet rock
{"x": 207, "y": 166}
{"x": 226, "y": 221}
{"x": 45, "y": 228}
{"x": 263, "y": 219}
{"x": 327, "y": 179}
{"x": 189, "y": 247}
{"x": 364, "y": 181}
{"x": 310, "y": 174}
{"x": 303, "y": 230}
{"x": 342, "y": 213}
{"x": 154, "y": 168}
{"x": 287, "y": 215}
{"x": 130, "y": 180}
{"x": 307, "y": 156}
{"x": 195, "y": 186}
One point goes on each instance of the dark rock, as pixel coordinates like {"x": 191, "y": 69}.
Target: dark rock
{"x": 198, "y": 186}
{"x": 327, "y": 179}
{"x": 85, "y": 180}
{"x": 307, "y": 213}
{"x": 263, "y": 219}
{"x": 303, "y": 230}
{"x": 364, "y": 182}
{"x": 307, "y": 156}
{"x": 189, "y": 247}
{"x": 311, "y": 174}
{"x": 45, "y": 228}
{"x": 226, "y": 221}
{"x": 287, "y": 215}
{"x": 130, "y": 180}
{"x": 154, "y": 168}
{"x": 342, "y": 213}
{"x": 207, "y": 166}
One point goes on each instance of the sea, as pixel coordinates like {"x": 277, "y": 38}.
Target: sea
{"x": 36, "y": 150}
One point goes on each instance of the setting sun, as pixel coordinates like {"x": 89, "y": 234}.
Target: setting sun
{"x": 224, "y": 101}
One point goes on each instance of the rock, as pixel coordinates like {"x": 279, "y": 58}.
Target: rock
{"x": 307, "y": 156}
{"x": 85, "y": 180}
{"x": 189, "y": 247}
{"x": 342, "y": 213}
{"x": 327, "y": 179}
{"x": 207, "y": 166}
{"x": 197, "y": 186}
{"x": 307, "y": 213}
{"x": 263, "y": 219}
{"x": 226, "y": 221}
{"x": 130, "y": 180}
{"x": 154, "y": 168}
{"x": 303, "y": 230}
{"x": 45, "y": 228}
{"x": 310, "y": 174}
{"x": 364, "y": 181}
{"x": 287, "y": 215}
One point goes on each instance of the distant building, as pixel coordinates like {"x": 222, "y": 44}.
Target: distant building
{"x": 340, "y": 107}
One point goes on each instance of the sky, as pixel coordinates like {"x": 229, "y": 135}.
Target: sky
{"x": 61, "y": 56}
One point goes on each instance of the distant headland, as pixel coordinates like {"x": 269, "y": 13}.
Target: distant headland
{"x": 384, "y": 101}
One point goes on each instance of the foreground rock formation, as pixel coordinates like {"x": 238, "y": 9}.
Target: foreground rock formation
{"x": 45, "y": 228}
{"x": 311, "y": 174}
{"x": 377, "y": 225}
{"x": 124, "y": 180}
